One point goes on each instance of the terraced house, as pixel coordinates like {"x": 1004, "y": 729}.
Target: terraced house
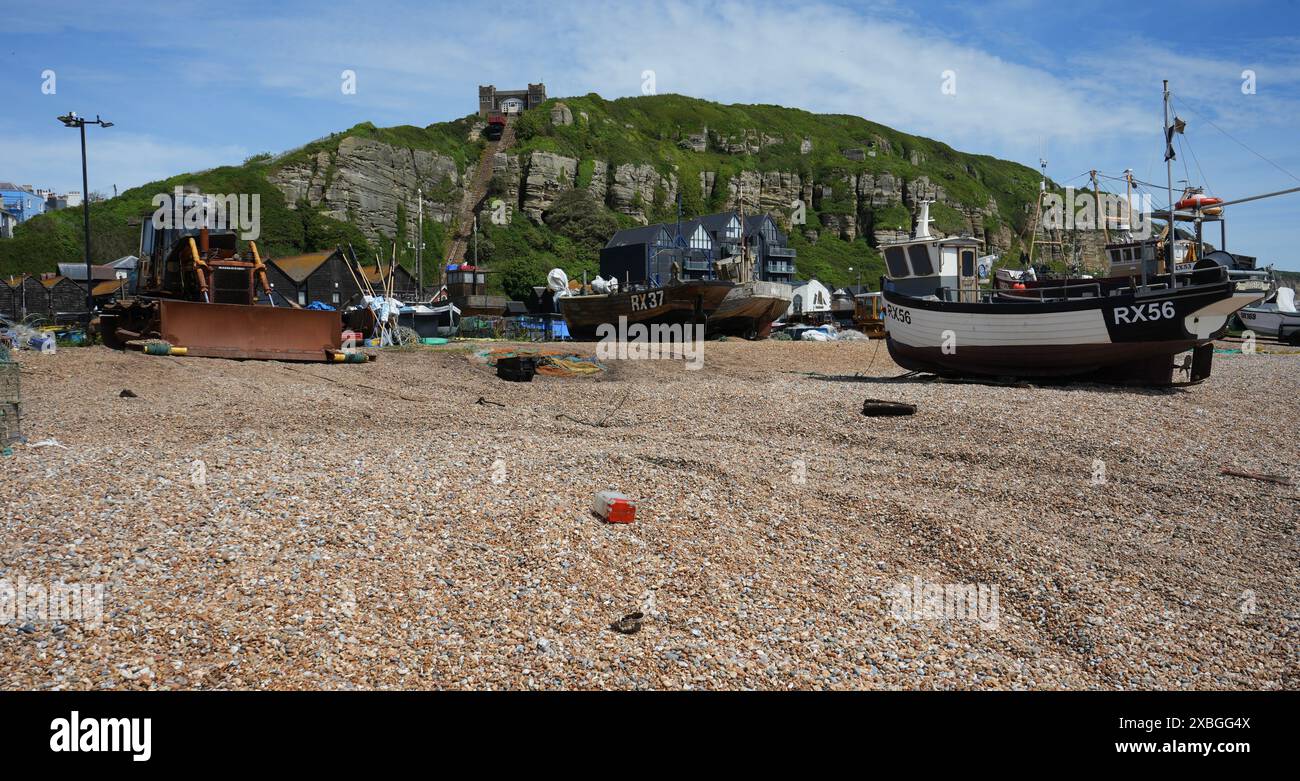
{"x": 21, "y": 201}
{"x": 648, "y": 254}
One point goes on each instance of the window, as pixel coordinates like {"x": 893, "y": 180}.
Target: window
{"x": 919, "y": 254}
{"x": 896, "y": 262}
{"x": 302, "y": 298}
{"x": 336, "y": 298}
{"x": 967, "y": 263}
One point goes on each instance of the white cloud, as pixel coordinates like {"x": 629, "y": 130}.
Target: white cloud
{"x": 816, "y": 56}
{"x": 113, "y": 158}
{"x": 421, "y": 62}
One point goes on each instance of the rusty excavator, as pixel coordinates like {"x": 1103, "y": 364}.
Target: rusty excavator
{"x": 197, "y": 294}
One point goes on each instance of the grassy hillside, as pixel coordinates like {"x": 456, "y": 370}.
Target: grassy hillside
{"x": 650, "y": 130}
{"x": 643, "y": 130}
{"x": 43, "y": 241}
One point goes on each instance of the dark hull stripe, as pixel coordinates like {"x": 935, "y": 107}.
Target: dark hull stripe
{"x": 1146, "y": 362}
{"x": 1209, "y": 293}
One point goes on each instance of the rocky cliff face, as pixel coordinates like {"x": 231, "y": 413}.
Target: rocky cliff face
{"x": 532, "y": 181}
{"x": 365, "y": 180}
{"x": 546, "y": 175}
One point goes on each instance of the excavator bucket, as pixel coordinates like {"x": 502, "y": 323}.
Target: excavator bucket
{"x": 250, "y": 332}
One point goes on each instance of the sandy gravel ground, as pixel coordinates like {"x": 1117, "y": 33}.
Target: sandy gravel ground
{"x": 373, "y": 527}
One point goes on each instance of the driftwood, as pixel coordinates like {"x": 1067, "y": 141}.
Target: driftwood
{"x": 603, "y": 421}
{"x": 880, "y": 407}
{"x": 1278, "y": 479}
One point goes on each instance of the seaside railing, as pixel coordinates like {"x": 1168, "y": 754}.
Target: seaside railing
{"x": 1038, "y": 294}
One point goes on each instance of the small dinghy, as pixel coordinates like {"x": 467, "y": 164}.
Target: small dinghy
{"x": 1276, "y": 316}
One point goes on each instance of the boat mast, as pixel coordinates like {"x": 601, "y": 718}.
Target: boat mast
{"x": 1128, "y": 204}
{"x": 1169, "y": 180}
{"x": 744, "y": 251}
{"x": 1038, "y": 211}
{"x": 1096, "y": 197}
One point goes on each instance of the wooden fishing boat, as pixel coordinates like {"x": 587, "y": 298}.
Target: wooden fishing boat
{"x": 1119, "y": 328}
{"x": 749, "y": 310}
{"x": 677, "y": 303}
{"x": 938, "y": 320}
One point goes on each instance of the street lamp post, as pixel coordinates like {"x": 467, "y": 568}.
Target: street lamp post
{"x": 72, "y": 120}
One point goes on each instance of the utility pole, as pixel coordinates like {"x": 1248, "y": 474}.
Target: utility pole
{"x": 419, "y": 243}
{"x": 72, "y": 120}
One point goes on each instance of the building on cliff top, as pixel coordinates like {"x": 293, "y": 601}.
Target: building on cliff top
{"x": 494, "y": 101}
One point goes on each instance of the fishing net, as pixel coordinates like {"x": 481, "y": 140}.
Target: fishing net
{"x": 535, "y": 328}
{"x": 10, "y": 400}
{"x": 480, "y": 327}
{"x": 551, "y": 363}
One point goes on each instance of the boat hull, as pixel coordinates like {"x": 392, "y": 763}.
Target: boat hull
{"x": 1126, "y": 336}
{"x": 684, "y": 303}
{"x": 1268, "y": 319}
{"x": 750, "y": 309}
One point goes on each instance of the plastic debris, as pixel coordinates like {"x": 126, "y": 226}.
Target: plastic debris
{"x": 614, "y": 507}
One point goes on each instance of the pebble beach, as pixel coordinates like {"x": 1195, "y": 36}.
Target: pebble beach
{"x": 418, "y": 523}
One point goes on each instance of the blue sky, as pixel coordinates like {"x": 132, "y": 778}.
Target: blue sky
{"x": 1077, "y": 83}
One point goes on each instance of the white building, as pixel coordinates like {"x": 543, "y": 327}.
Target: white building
{"x": 812, "y": 297}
